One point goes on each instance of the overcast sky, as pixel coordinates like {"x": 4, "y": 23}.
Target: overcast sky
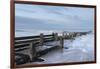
{"x": 52, "y": 18}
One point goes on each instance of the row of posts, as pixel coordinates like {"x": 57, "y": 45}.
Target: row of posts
{"x": 55, "y": 37}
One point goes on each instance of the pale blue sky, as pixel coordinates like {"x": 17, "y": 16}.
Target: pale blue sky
{"x": 49, "y": 18}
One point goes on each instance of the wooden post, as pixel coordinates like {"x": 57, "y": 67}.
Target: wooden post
{"x": 75, "y": 34}
{"x": 63, "y": 35}
{"x": 53, "y": 36}
{"x": 69, "y": 35}
{"x": 41, "y": 39}
{"x": 62, "y": 42}
{"x": 33, "y": 52}
{"x": 56, "y": 36}
{"x": 72, "y": 35}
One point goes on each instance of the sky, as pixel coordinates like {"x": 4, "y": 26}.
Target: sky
{"x": 35, "y": 19}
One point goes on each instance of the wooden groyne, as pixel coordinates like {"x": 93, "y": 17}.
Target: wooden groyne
{"x": 31, "y": 47}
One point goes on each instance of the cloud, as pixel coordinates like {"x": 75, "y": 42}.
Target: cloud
{"x": 38, "y": 17}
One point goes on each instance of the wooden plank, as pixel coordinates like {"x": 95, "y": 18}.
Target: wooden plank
{"x": 20, "y": 49}
{"x": 48, "y": 35}
{"x": 22, "y": 45}
{"x": 48, "y": 40}
{"x": 26, "y": 41}
{"x": 28, "y": 37}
